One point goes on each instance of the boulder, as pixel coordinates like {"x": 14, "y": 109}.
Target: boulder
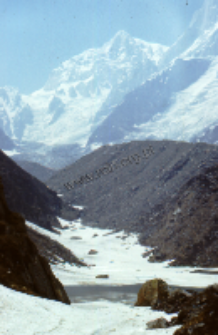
{"x": 197, "y": 312}
{"x": 147, "y": 253}
{"x": 102, "y": 276}
{"x": 95, "y": 235}
{"x": 152, "y": 292}
{"x": 158, "y": 323}
{"x": 65, "y": 227}
{"x": 124, "y": 237}
{"x": 76, "y": 238}
{"x": 92, "y": 252}
{"x": 22, "y": 268}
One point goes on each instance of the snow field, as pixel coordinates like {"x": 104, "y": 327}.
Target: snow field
{"x": 120, "y": 258}
{"x": 22, "y": 314}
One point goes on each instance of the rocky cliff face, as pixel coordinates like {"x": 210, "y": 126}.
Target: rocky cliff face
{"x": 21, "y": 266}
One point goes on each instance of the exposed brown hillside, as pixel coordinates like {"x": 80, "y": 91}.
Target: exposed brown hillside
{"x": 21, "y": 266}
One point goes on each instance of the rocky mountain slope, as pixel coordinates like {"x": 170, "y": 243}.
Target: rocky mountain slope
{"x": 21, "y": 267}
{"x": 137, "y": 186}
{"x": 52, "y": 250}
{"x": 187, "y": 227}
{"x": 50, "y": 157}
{"x": 30, "y": 197}
{"x": 39, "y": 171}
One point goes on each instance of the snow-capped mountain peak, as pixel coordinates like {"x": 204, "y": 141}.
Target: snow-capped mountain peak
{"x": 127, "y": 89}
{"x": 76, "y": 93}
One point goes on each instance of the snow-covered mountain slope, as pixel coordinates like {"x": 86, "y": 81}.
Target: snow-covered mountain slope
{"x": 208, "y": 134}
{"x": 193, "y": 115}
{"x": 162, "y": 107}
{"x": 128, "y": 89}
{"x": 179, "y": 103}
{"x": 15, "y": 115}
{"x": 200, "y": 39}
{"x": 70, "y": 105}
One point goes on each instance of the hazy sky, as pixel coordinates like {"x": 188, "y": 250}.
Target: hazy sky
{"x": 36, "y": 36}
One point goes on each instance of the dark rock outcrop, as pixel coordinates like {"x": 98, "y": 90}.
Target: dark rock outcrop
{"x": 21, "y": 266}
{"x": 92, "y": 252}
{"x": 76, "y": 238}
{"x": 102, "y": 276}
{"x": 152, "y": 292}
{"x": 157, "y": 294}
{"x": 158, "y": 323}
{"x": 31, "y": 198}
{"x": 199, "y": 315}
{"x": 53, "y": 251}
{"x": 197, "y": 312}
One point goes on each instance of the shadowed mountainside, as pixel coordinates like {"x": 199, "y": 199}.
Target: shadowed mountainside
{"x": 42, "y": 173}
{"x": 21, "y": 266}
{"x": 187, "y": 227}
{"x": 31, "y": 198}
{"x": 136, "y": 192}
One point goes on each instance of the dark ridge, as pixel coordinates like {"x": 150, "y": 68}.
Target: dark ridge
{"x": 31, "y": 198}
{"x": 21, "y": 266}
{"x": 52, "y": 250}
